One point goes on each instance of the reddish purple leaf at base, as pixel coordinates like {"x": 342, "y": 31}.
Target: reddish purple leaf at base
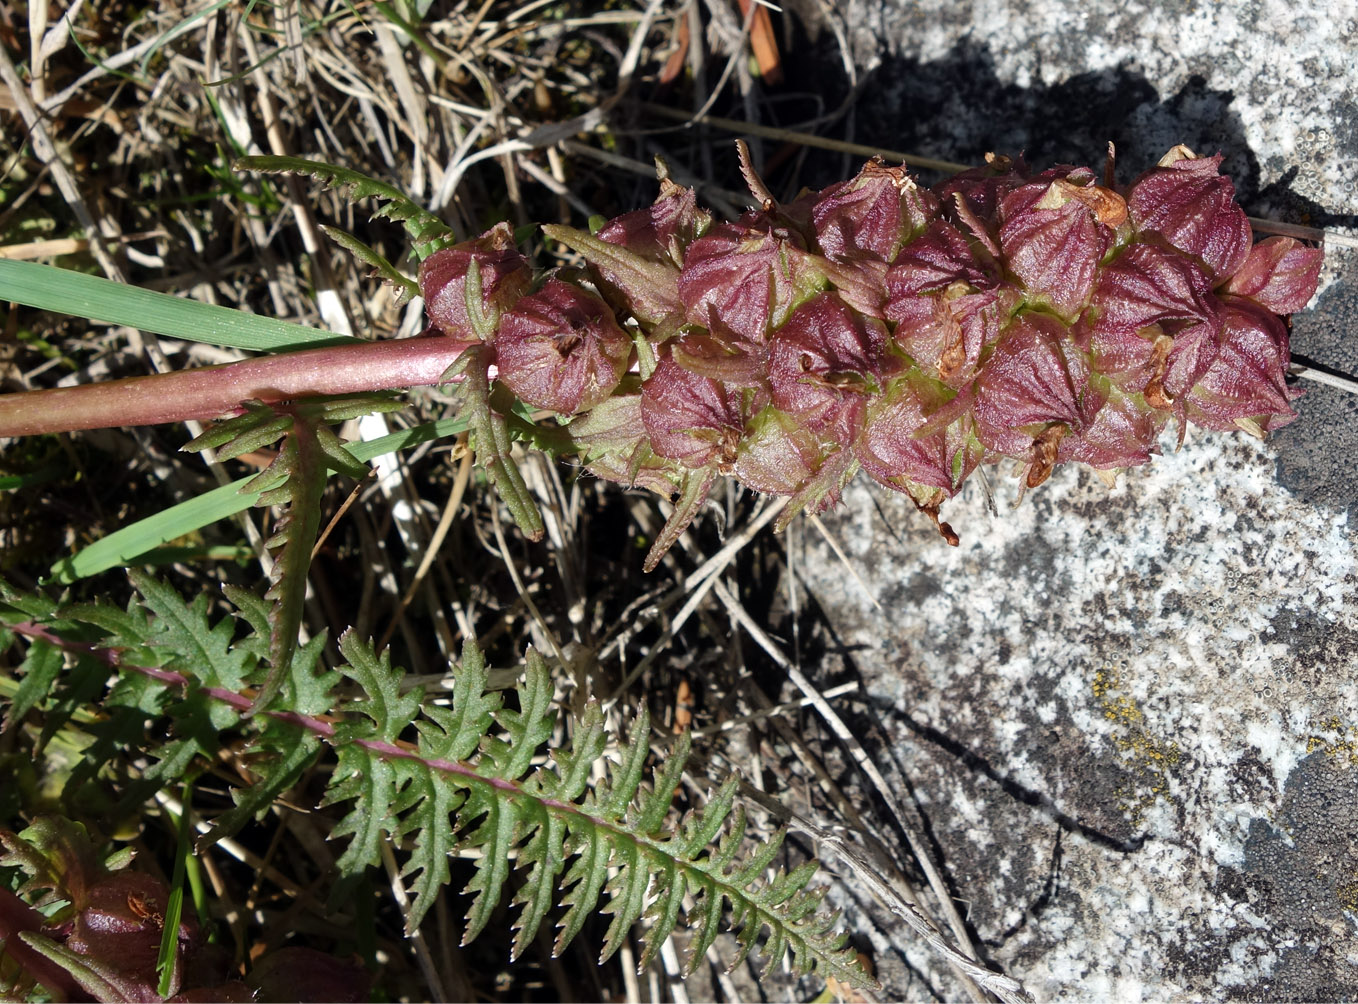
{"x": 778, "y": 455}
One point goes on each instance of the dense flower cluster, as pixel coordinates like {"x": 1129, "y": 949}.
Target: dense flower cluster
{"x": 912, "y": 333}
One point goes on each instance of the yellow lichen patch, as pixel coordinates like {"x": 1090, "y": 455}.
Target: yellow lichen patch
{"x": 1338, "y": 743}
{"x": 1149, "y": 758}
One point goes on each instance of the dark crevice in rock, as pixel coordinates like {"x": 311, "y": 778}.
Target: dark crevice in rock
{"x": 1019, "y": 792}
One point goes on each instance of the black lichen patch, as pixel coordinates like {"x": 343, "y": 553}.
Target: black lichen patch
{"x": 1313, "y": 640}
{"x": 1301, "y": 867}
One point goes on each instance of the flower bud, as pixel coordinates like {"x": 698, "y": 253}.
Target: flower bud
{"x": 778, "y": 454}
{"x": 1189, "y": 205}
{"x": 663, "y": 230}
{"x": 1035, "y": 378}
{"x": 504, "y": 276}
{"x": 1152, "y": 312}
{"x": 916, "y": 440}
{"x": 561, "y": 349}
{"x": 978, "y": 192}
{"x": 690, "y": 418}
{"x": 1123, "y": 433}
{"x": 936, "y": 260}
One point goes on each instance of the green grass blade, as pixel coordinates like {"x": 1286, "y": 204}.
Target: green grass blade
{"x": 168, "y": 961}
{"x": 74, "y": 293}
{"x": 12, "y": 482}
{"x": 123, "y": 546}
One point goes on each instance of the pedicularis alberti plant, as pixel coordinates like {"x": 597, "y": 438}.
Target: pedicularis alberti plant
{"x": 915, "y": 334}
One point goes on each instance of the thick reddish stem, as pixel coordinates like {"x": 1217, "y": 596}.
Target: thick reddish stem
{"x": 213, "y": 391}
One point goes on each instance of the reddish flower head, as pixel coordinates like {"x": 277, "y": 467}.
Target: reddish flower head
{"x": 1280, "y": 275}
{"x": 504, "y": 275}
{"x": 750, "y": 275}
{"x": 871, "y": 215}
{"x": 690, "y": 418}
{"x": 1189, "y": 205}
{"x": 824, "y": 362}
{"x": 561, "y": 349}
{"x": 1245, "y": 386}
{"x": 1053, "y": 240}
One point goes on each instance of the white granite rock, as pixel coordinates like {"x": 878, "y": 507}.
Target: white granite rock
{"x": 1130, "y": 717}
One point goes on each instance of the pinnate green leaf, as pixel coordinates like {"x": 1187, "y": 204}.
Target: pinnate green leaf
{"x": 427, "y": 232}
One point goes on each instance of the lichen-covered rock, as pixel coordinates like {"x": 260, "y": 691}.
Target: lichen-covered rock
{"x": 1129, "y": 719}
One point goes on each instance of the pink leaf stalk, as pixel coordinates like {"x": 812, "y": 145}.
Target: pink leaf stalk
{"x": 215, "y": 391}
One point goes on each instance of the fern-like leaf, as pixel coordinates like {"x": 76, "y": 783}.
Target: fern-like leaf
{"x": 467, "y": 782}
{"x": 427, "y": 232}
{"x": 404, "y": 286}
{"x": 546, "y": 848}
{"x": 40, "y": 668}
{"x": 280, "y": 752}
{"x": 369, "y": 780}
{"x": 491, "y": 440}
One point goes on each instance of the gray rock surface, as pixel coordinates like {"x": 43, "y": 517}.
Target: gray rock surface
{"x": 1130, "y": 717}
